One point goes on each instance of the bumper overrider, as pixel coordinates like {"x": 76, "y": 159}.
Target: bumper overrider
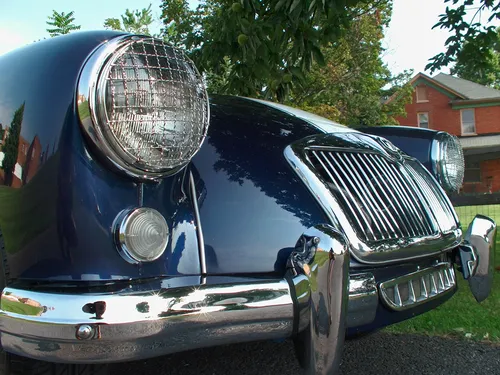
{"x": 314, "y": 303}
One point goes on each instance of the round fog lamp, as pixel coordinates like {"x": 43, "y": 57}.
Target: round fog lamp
{"x": 141, "y": 235}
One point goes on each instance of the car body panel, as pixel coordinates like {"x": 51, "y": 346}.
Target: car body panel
{"x": 57, "y": 215}
{"x": 250, "y": 221}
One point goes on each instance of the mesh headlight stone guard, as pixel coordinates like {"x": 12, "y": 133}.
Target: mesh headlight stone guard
{"x": 147, "y": 105}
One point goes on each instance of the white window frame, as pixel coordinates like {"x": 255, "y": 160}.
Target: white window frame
{"x": 462, "y": 121}
{"x": 419, "y": 100}
{"x": 428, "y": 119}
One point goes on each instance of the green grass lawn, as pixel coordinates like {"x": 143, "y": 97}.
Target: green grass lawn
{"x": 21, "y": 308}
{"x": 461, "y": 316}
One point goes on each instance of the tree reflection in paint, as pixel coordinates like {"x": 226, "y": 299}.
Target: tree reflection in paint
{"x": 11, "y": 146}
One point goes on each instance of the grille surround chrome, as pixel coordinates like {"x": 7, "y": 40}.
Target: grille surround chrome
{"x": 370, "y": 252}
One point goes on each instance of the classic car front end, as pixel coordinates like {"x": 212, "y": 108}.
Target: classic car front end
{"x": 132, "y": 228}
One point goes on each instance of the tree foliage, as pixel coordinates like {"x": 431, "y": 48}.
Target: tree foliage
{"x": 351, "y": 86}
{"x": 484, "y": 68}
{"x": 61, "y": 23}
{"x": 478, "y": 34}
{"x": 136, "y": 21}
{"x": 267, "y": 43}
{"x": 11, "y": 145}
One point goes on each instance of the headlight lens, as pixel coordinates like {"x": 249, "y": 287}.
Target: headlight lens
{"x": 448, "y": 161}
{"x": 148, "y": 104}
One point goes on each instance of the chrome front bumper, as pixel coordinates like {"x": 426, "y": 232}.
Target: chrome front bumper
{"x": 125, "y": 326}
{"x": 131, "y": 325}
{"x": 128, "y": 326}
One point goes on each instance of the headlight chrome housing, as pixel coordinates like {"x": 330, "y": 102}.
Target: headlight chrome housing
{"x": 448, "y": 161}
{"x": 144, "y": 105}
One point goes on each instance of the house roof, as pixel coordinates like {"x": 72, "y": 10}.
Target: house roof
{"x": 459, "y": 90}
{"x": 467, "y": 89}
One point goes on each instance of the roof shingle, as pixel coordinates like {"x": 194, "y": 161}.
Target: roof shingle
{"x": 468, "y": 89}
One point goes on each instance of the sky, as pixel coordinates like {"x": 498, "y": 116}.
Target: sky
{"x": 409, "y": 42}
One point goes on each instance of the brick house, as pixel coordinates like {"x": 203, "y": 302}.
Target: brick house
{"x": 467, "y": 110}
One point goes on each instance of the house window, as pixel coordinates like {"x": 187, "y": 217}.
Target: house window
{"x": 468, "y": 121}
{"x": 472, "y": 171}
{"x": 421, "y": 94}
{"x": 423, "y": 120}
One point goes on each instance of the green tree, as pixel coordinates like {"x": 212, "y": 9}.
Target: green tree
{"x": 11, "y": 145}
{"x": 136, "y": 22}
{"x": 61, "y": 23}
{"x": 352, "y": 84}
{"x": 478, "y": 33}
{"x": 180, "y": 21}
{"x": 267, "y": 43}
{"x": 483, "y": 68}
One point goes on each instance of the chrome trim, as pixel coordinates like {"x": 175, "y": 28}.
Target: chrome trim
{"x": 119, "y": 231}
{"x": 131, "y": 326}
{"x": 445, "y": 235}
{"x": 87, "y": 92}
{"x": 436, "y": 156}
{"x": 199, "y": 230}
{"x": 89, "y": 107}
{"x": 363, "y": 300}
{"x": 319, "y": 267}
{"x": 481, "y": 237}
{"x": 418, "y": 287}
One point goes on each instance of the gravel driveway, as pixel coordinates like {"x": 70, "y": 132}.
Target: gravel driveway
{"x": 380, "y": 353}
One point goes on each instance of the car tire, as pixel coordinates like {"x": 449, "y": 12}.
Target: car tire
{"x": 11, "y": 364}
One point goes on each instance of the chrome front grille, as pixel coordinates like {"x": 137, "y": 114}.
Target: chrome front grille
{"x": 384, "y": 199}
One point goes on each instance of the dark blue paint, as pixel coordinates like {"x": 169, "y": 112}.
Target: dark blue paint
{"x": 59, "y": 224}
{"x": 255, "y": 207}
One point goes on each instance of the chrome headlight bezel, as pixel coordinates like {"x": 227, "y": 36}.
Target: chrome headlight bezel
{"x": 91, "y": 108}
{"x": 442, "y": 159}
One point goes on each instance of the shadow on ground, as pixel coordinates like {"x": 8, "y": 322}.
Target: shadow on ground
{"x": 380, "y": 353}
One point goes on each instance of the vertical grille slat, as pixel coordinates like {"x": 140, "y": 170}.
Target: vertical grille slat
{"x": 420, "y": 202}
{"x": 430, "y": 224}
{"x": 417, "y": 214}
{"x": 408, "y": 209}
{"x": 384, "y": 199}
{"x": 339, "y": 189}
{"x": 364, "y": 185}
{"x": 368, "y": 210}
{"x": 440, "y": 209}
{"x": 386, "y": 190}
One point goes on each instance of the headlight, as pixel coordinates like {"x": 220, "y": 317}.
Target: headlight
{"x": 144, "y": 105}
{"x": 448, "y": 161}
